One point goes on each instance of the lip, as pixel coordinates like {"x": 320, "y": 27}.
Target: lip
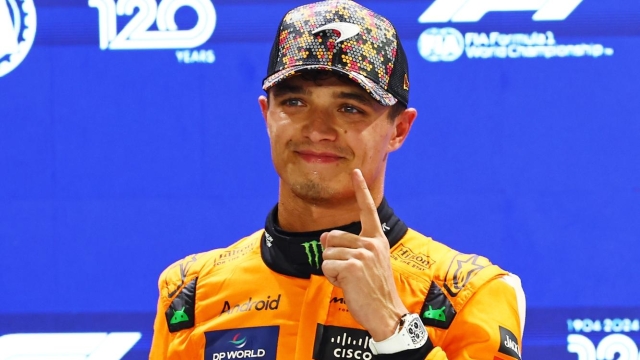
{"x": 319, "y": 156}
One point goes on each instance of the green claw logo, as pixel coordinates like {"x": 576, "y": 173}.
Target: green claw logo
{"x": 437, "y": 314}
{"x": 314, "y": 250}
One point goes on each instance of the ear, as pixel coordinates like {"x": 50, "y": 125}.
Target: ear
{"x": 401, "y": 127}
{"x": 264, "y": 106}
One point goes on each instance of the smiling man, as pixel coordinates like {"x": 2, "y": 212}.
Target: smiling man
{"x": 335, "y": 273}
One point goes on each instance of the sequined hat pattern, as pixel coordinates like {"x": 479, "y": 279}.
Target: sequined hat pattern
{"x": 344, "y": 37}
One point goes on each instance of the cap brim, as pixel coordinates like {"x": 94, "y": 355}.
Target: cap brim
{"x": 376, "y": 92}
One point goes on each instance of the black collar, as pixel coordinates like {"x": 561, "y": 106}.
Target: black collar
{"x": 300, "y": 254}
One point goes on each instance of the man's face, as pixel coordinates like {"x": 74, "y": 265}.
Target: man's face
{"x": 320, "y": 130}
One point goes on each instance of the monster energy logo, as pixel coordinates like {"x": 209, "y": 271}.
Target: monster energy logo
{"x": 314, "y": 250}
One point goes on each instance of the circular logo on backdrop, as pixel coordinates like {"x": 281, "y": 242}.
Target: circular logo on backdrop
{"x": 441, "y": 44}
{"x": 17, "y": 32}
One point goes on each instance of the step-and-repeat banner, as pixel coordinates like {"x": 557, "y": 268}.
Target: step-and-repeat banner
{"x": 130, "y": 137}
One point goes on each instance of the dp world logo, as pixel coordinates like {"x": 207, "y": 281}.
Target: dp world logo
{"x": 237, "y": 342}
{"x": 17, "y": 31}
{"x": 441, "y": 44}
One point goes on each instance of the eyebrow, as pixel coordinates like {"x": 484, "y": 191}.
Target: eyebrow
{"x": 281, "y": 90}
{"x": 355, "y": 96}
{"x": 285, "y": 89}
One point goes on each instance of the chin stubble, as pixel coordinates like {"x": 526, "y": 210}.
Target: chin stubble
{"x": 313, "y": 191}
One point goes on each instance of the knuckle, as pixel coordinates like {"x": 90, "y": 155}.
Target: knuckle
{"x": 361, "y": 254}
{"x": 369, "y": 244}
{"x": 328, "y": 268}
{"x": 353, "y": 265}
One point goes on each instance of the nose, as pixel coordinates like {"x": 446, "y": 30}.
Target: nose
{"x": 319, "y": 127}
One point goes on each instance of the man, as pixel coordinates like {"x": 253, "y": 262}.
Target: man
{"x": 335, "y": 273}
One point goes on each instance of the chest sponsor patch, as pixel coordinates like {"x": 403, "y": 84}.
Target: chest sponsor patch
{"x": 253, "y": 304}
{"x": 181, "y": 313}
{"x": 335, "y": 342}
{"x": 229, "y": 255}
{"x": 509, "y": 344}
{"x": 437, "y": 310}
{"x": 245, "y": 343}
{"x": 339, "y": 304}
{"x": 417, "y": 261}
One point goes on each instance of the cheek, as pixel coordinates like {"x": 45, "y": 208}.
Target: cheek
{"x": 374, "y": 148}
{"x": 274, "y": 126}
{"x": 281, "y": 131}
{"x": 364, "y": 149}
{"x": 378, "y": 139}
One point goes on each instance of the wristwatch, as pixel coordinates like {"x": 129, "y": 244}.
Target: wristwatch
{"x": 410, "y": 334}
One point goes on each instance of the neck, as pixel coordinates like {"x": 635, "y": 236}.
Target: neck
{"x": 299, "y": 215}
{"x": 297, "y": 253}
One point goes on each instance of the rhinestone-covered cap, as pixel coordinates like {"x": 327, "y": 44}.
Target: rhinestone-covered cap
{"x": 344, "y": 37}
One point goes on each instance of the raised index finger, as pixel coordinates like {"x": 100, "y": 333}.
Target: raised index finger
{"x": 368, "y": 211}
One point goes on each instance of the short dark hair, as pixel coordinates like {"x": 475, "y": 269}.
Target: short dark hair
{"x": 396, "y": 110}
{"x": 318, "y": 75}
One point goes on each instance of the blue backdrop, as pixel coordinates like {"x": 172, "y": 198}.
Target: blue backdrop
{"x": 119, "y": 157}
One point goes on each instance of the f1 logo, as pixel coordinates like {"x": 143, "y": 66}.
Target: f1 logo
{"x": 442, "y": 11}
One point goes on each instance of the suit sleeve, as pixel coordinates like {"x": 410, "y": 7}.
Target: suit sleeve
{"x": 160, "y": 343}
{"x": 489, "y": 326}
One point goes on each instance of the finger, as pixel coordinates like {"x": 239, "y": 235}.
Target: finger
{"x": 340, "y": 253}
{"x": 339, "y": 238}
{"x": 368, "y": 211}
{"x": 342, "y": 269}
{"x": 338, "y": 271}
{"x": 331, "y": 270}
{"x": 323, "y": 240}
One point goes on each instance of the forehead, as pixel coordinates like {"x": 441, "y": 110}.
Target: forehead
{"x": 307, "y": 83}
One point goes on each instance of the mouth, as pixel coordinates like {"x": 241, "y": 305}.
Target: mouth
{"x": 319, "y": 157}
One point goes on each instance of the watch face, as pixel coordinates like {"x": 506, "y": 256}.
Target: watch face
{"x": 416, "y": 330}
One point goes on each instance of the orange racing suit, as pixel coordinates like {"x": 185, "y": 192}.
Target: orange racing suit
{"x": 265, "y": 297}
